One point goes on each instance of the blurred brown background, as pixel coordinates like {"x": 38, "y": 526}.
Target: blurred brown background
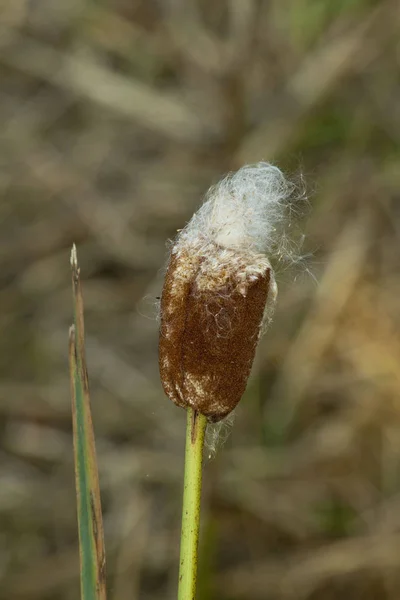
{"x": 115, "y": 119}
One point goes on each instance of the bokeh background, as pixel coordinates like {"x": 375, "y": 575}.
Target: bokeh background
{"x": 116, "y": 116}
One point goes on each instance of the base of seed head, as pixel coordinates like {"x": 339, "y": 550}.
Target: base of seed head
{"x": 218, "y": 284}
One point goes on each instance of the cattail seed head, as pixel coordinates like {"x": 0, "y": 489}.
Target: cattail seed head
{"x": 219, "y": 291}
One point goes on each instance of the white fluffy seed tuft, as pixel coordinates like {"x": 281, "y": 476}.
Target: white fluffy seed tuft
{"x": 243, "y": 211}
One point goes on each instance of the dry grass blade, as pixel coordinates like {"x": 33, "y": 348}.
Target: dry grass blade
{"x": 91, "y": 537}
{"x": 164, "y": 113}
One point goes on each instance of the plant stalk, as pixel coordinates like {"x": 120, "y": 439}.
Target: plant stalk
{"x": 195, "y": 431}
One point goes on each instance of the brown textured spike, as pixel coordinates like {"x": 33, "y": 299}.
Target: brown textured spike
{"x": 178, "y": 279}
{"x": 208, "y": 336}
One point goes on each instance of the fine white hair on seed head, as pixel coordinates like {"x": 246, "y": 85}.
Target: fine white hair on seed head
{"x": 217, "y": 434}
{"x": 244, "y": 210}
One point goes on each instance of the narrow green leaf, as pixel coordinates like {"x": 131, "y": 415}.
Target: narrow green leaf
{"x": 90, "y": 524}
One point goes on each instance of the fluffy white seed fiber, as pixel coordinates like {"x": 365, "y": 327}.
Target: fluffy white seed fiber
{"x": 243, "y": 211}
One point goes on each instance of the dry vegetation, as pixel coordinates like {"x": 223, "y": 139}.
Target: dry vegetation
{"x": 116, "y": 117}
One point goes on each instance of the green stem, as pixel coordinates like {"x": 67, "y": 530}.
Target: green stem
{"x": 195, "y": 430}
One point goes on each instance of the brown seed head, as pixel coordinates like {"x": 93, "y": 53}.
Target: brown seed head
{"x": 212, "y": 310}
{"x": 219, "y": 289}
